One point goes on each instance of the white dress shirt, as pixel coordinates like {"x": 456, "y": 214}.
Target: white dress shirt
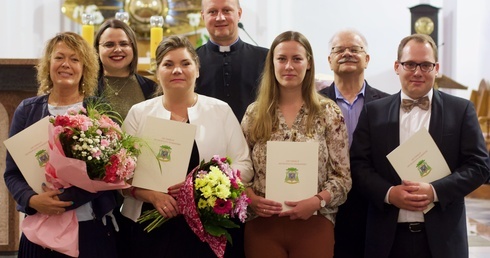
{"x": 410, "y": 123}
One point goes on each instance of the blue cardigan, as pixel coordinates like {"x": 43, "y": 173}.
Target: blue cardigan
{"x": 27, "y": 113}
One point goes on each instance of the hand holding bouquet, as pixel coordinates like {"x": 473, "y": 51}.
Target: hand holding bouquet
{"x": 88, "y": 150}
{"x": 212, "y": 194}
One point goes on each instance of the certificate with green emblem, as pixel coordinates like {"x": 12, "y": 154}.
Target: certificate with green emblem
{"x": 291, "y": 171}
{"x": 419, "y": 159}
{"x": 29, "y": 149}
{"x": 165, "y": 160}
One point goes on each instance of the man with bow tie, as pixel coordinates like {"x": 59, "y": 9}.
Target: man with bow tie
{"x": 396, "y": 224}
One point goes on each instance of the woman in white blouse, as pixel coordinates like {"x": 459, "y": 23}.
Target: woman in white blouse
{"x": 218, "y": 133}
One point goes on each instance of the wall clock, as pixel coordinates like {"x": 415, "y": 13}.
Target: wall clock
{"x": 425, "y": 20}
{"x": 424, "y": 25}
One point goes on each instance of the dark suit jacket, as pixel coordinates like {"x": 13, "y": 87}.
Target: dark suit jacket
{"x": 455, "y": 129}
{"x": 350, "y": 222}
{"x": 371, "y": 93}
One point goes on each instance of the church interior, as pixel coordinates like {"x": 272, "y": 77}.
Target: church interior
{"x": 460, "y": 30}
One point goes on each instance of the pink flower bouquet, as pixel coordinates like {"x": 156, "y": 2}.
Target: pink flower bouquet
{"x": 87, "y": 149}
{"x": 212, "y": 194}
{"x": 94, "y": 138}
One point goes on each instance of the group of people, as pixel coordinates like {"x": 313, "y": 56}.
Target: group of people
{"x": 239, "y": 97}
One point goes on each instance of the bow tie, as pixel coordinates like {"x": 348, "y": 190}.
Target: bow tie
{"x": 422, "y": 103}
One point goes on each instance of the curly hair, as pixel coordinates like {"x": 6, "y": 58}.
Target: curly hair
{"x": 88, "y": 57}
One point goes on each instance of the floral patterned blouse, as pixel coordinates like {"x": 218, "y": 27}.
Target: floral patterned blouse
{"x": 333, "y": 153}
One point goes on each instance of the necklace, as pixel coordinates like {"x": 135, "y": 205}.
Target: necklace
{"x": 178, "y": 118}
{"x": 116, "y": 92}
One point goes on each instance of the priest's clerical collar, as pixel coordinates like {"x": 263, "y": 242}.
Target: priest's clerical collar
{"x": 224, "y": 48}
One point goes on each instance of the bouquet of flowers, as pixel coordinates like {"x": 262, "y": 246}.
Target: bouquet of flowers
{"x": 93, "y": 137}
{"x": 87, "y": 149}
{"x": 212, "y": 194}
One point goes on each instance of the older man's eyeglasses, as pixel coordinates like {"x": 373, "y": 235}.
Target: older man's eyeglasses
{"x": 111, "y": 45}
{"x": 353, "y": 50}
{"x": 412, "y": 66}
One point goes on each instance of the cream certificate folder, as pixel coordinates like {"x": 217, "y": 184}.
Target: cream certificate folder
{"x": 292, "y": 171}
{"x": 29, "y": 149}
{"x": 419, "y": 160}
{"x": 170, "y": 145}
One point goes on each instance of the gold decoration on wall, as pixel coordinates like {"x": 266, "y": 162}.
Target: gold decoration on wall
{"x": 174, "y": 12}
{"x": 101, "y": 9}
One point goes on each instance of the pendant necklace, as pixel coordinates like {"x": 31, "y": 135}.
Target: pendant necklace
{"x": 116, "y": 92}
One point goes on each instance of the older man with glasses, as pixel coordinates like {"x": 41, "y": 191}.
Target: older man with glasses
{"x": 348, "y": 60}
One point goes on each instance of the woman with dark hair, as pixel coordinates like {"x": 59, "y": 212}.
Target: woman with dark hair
{"x": 288, "y": 108}
{"x": 120, "y": 86}
{"x": 218, "y": 133}
{"x": 119, "y": 82}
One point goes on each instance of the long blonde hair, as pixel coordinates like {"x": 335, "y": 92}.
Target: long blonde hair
{"x": 264, "y": 119}
{"x": 87, "y": 54}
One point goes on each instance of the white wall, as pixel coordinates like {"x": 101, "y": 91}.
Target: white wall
{"x": 383, "y": 22}
{"x": 27, "y": 25}
{"x": 464, "y": 28}
{"x": 471, "y": 36}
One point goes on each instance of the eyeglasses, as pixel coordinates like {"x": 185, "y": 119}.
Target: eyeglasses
{"x": 111, "y": 45}
{"x": 412, "y": 66}
{"x": 353, "y": 50}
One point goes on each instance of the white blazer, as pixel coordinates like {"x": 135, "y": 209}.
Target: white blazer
{"x": 218, "y": 133}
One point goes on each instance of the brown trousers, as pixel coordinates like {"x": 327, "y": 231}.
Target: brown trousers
{"x": 280, "y": 237}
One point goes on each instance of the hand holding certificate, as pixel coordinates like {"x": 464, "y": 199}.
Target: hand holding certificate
{"x": 419, "y": 159}
{"x": 28, "y": 148}
{"x": 171, "y": 142}
{"x": 292, "y": 171}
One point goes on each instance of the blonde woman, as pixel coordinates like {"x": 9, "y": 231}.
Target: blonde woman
{"x": 289, "y": 109}
{"x": 67, "y": 75}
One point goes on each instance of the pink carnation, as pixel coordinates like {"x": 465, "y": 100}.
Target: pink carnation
{"x": 81, "y": 121}
{"x": 106, "y": 122}
{"x": 76, "y": 110}
{"x": 126, "y": 166}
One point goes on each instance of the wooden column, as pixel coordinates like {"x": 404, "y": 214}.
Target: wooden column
{"x": 17, "y": 82}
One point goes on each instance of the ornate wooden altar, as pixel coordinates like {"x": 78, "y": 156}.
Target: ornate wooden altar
{"x": 17, "y": 82}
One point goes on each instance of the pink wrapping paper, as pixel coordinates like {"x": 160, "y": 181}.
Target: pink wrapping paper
{"x": 65, "y": 171}
{"x": 187, "y": 207}
{"x": 60, "y": 232}
{"x": 56, "y": 232}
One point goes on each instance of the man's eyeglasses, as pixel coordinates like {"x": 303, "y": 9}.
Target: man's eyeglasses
{"x": 353, "y": 50}
{"x": 412, "y": 66}
{"x": 111, "y": 45}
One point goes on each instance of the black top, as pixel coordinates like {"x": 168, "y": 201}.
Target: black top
{"x": 231, "y": 76}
